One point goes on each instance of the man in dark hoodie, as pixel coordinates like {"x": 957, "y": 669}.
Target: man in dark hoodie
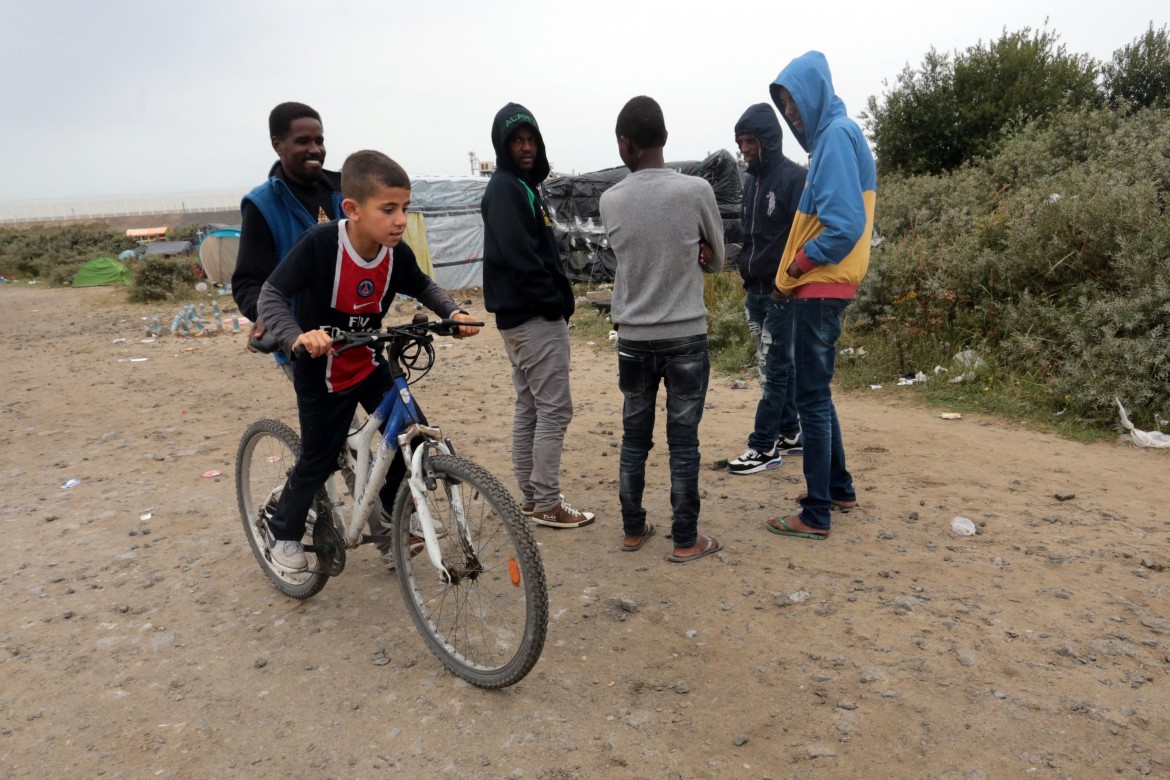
{"x": 298, "y": 194}
{"x": 525, "y": 286}
{"x": 769, "y": 204}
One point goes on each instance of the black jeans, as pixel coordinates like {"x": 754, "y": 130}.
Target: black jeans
{"x": 684, "y": 366}
{"x": 325, "y": 419}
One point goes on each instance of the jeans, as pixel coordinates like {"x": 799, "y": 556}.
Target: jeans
{"x": 770, "y": 323}
{"x": 539, "y": 351}
{"x": 684, "y": 366}
{"x": 325, "y": 420}
{"x": 817, "y": 326}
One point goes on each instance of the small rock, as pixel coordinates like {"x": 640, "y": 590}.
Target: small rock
{"x": 1000, "y": 695}
{"x": 821, "y": 751}
{"x": 1065, "y": 496}
{"x": 740, "y": 740}
{"x": 799, "y": 597}
{"x": 847, "y": 704}
{"x": 691, "y": 633}
{"x": 682, "y": 687}
{"x": 627, "y": 605}
{"x": 913, "y": 517}
{"x": 719, "y": 464}
{"x": 966, "y": 660}
{"x": 739, "y": 384}
{"x": 1157, "y": 625}
{"x": 260, "y": 663}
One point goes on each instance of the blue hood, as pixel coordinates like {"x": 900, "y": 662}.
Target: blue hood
{"x": 808, "y": 80}
{"x": 760, "y": 120}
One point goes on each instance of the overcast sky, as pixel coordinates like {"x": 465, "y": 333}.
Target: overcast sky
{"x": 127, "y": 97}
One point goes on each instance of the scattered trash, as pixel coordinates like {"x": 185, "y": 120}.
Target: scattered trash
{"x": 71, "y": 483}
{"x": 212, "y": 474}
{"x": 150, "y": 340}
{"x": 875, "y": 387}
{"x": 145, "y": 517}
{"x": 591, "y": 343}
{"x": 201, "y": 287}
{"x": 133, "y": 360}
{"x": 613, "y": 335}
{"x": 910, "y": 379}
{"x": 851, "y": 352}
{"x": 962, "y": 526}
{"x": 941, "y": 370}
{"x": 950, "y": 416}
{"x": 1141, "y": 438}
{"x": 119, "y": 341}
{"x": 970, "y": 363}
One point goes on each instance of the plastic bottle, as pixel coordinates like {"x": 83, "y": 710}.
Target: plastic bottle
{"x": 962, "y": 526}
{"x": 235, "y": 323}
{"x": 218, "y": 318}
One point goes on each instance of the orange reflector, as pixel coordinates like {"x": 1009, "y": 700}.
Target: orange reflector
{"x": 514, "y": 571}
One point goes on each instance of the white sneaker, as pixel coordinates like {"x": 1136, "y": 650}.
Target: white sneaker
{"x": 753, "y": 461}
{"x": 289, "y": 555}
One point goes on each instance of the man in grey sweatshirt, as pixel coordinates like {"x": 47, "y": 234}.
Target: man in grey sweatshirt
{"x": 665, "y": 231}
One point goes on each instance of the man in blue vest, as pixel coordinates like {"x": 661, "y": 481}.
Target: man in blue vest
{"x": 298, "y": 194}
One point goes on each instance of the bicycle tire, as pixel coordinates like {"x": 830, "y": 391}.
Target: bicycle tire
{"x": 267, "y": 452}
{"x": 488, "y": 626}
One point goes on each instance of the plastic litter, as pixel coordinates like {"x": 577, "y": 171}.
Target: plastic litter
{"x": 950, "y": 416}
{"x": 970, "y": 363}
{"x": 962, "y": 526}
{"x": 909, "y": 380}
{"x": 875, "y": 387}
{"x": 212, "y": 474}
{"x": 1141, "y": 438}
{"x": 71, "y": 483}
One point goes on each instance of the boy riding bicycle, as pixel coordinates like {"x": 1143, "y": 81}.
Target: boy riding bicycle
{"x": 344, "y": 276}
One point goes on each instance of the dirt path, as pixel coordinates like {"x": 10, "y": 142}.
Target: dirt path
{"x": 139, "y": 639}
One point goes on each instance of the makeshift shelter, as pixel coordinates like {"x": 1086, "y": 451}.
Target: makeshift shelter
{"x": 217, "y": 254}
{"x": 101, "y": 271}
{"x": 451, "y": 233}
{"x": 168, "y": 248}
{"x": 576, "y": 213}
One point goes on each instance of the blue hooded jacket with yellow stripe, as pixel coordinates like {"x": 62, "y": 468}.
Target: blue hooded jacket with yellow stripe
{"x": 834, "y": 219}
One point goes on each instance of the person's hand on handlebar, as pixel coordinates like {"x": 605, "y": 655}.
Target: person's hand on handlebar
{"x": 316, "y": 342}
{"x": 464, "y": 330}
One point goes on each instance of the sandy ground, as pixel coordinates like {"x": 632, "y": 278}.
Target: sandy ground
{"x": 139, "y": 639}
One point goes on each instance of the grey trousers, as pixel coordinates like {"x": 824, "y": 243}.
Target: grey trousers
{"x": 539, "y": 351}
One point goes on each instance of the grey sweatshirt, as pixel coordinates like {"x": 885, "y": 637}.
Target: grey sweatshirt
{"x": 655, "y": 219}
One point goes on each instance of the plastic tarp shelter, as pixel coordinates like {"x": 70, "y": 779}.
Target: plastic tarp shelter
{"x": 168, "y": 248}
{"x": 451, "y": 237}
{"x": 217, "y": 254}
{"x": 576, "y": 212}
{"x": 101, "y": 271}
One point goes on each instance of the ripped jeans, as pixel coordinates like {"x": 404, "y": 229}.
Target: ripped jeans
{"x": 684, "y": 366}
{"x": 770, "y": 323}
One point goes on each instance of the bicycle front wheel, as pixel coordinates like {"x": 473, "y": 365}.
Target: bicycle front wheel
{"x": 488, "y": 623}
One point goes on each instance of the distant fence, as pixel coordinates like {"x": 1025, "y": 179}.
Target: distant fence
{"x": 121, "y": 206}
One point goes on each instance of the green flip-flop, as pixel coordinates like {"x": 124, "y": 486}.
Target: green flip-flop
{"x": 788, "y": 530}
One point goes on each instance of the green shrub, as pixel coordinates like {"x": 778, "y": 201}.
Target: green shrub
{"x": 1051, "y": 258}
{"x": 54, "y": 253}
{"x": 728, "y": 338}
{"x": 162, "y": 279}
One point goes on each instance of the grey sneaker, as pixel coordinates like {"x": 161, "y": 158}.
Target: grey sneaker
{"x": 563, "y": 516}
{"x": 753, "y": 461}
{"x": 289, "y": 555}
{"x": 416, "y": 527}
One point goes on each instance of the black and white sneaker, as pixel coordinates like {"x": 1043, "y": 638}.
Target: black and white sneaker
{"x": 790, "y": 445}
{"x": 752, "y": 461}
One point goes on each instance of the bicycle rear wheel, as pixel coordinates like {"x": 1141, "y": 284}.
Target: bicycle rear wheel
{"x": 267, "y": 452}
{"x": 488, "y": 624}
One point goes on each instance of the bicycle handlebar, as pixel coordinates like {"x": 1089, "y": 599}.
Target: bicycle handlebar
{"x": 415, "y": 331}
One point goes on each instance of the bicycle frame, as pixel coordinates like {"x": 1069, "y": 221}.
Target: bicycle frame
{"x": 401, "y": 414}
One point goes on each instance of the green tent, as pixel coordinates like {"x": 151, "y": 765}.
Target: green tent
{"x": 101, "y": 271}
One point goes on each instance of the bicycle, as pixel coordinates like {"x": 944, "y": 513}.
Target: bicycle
{"x": 481, "y": 600}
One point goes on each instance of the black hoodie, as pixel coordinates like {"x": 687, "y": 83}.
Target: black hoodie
{"x": 769, "y": 200}
{"x": 522, "y": 273}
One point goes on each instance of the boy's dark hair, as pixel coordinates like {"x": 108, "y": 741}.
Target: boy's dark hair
{"x": 365, "y": 171}
{"x": 640, "y": 120}
{"x": 281, "y": 118}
